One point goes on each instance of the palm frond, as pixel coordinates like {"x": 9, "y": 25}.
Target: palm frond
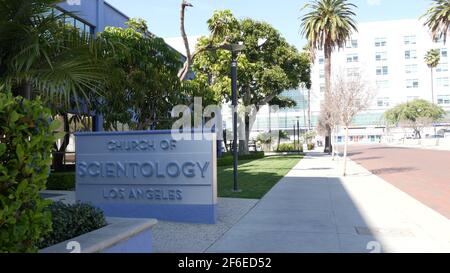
{"x": 437, "y": 19}
{"x": 328, "y": 22}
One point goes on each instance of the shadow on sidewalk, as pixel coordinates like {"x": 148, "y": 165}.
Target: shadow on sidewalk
{"x": 302, "y": 215}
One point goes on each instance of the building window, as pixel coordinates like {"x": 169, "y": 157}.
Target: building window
{"x": 352, "y": 58}
{"x": 442, "y": 82}
{"x": 442, "y": 67}
{"x": 383, "y": 84}
{"x": 353, "y": 72}
{"x": 382, "y": 70}
{"x": 380, "y": 42}
{"x": 74, "y": 22}
{"x": 322, "y": 73}
{"x": 383, "y": 102}
{"x": 410, "y": 54}
{"x": 352, "y": 43}
{"x": 410, "y": 40}
{"x": 381, "y": 56}
{"x": 411, "y": 69}
{"x": 443, "y": 100}
{"x": 321, "y": 60}
{"x": 322, "y": 88}
{"x": 412, "y": 83}
{"x": 444, "y": 53}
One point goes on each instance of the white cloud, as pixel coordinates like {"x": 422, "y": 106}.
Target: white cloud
{"x": 374, "y": 2}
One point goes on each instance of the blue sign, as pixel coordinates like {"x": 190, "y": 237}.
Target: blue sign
{"x": 148, "y": 175}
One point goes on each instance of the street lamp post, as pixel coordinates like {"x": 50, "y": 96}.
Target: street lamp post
{"x": 295, "y": 138}
{"x": 235, "y": 49}
{"x": 235, "y": 119}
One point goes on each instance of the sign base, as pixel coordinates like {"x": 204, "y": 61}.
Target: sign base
{"x": 199, "y": 214}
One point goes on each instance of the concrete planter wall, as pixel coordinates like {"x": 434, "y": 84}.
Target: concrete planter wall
{"x": 119, "y": 236}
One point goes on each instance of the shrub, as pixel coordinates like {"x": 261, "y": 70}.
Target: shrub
{"x": 61, "y": 181}
{"x": 311, "y": 146}
{"x": 264, "y": 138}
{"x": 26, "y": 140}
{"x": 288, "y": 147}
{"x": 70, "y": 221}
{"x": 227, "y": 158}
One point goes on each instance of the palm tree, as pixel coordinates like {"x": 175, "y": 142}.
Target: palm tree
{"x": 432, "y": 59}
{"x": 327, "y": 25}
{"x": 41, "y": 56}
{"x": 437, "y": 19}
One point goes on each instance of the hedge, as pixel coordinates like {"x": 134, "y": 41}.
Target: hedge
{"x": 70, "y": 221}
{"x": 61, "y": 181}
{"x": 289, "y": 147}
{"x": 27, "y": 137}
{"x": 227, "y": 158}
{"x": 311, "y": 146}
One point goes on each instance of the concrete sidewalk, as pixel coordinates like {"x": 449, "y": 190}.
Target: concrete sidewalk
{"x": 313, "y": 209}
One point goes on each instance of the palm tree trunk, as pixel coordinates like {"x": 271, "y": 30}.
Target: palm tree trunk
{"x": 309, "y": 109}
{"x": 327, "y": 61}
{"x": 432, "y": 101}
{"x": 432, "y": 86}
{"x": 304, "y": 117}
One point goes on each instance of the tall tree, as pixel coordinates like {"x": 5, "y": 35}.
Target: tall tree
{"x": 145, "y": 85}
{"x": 189, "y": 58}
{"x": 264, "y": 71}
{"x": 351, "y": 95}
{"x": 437, "y": 19}
{"x": 432, "y": 59}
{"x": 327, "y": 25}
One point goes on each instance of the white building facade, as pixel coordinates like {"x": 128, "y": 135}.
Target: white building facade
{"x": 390, "y": 57}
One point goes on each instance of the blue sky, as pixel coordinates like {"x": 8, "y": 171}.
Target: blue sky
{"x": 163, "y": 15}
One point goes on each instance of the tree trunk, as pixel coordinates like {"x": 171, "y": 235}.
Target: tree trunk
{"x": 24, "y": 90}
{"x": 58, "y": 156}
{"x": 304, "y": 119}
{"x": 309, "y": 109}
{"x": 345, "y": 151}
{"x": 432, "y": 86}
{"x": 327, "y": 60}
{"x": 225, "y": 140}
{"x": 333, "y": 154}
{"x": 279, "y": 140}
{"x": 244, "y": 144}
{"x": 188, "y": 63}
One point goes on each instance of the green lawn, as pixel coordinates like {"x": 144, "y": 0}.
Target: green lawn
{"x": 255, "y": 177}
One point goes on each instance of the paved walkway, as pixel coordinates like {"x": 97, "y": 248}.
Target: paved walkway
{"x": 312, "y": 209}
{"x": 423, "y": 174}
{"x": 427, "y": 144}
